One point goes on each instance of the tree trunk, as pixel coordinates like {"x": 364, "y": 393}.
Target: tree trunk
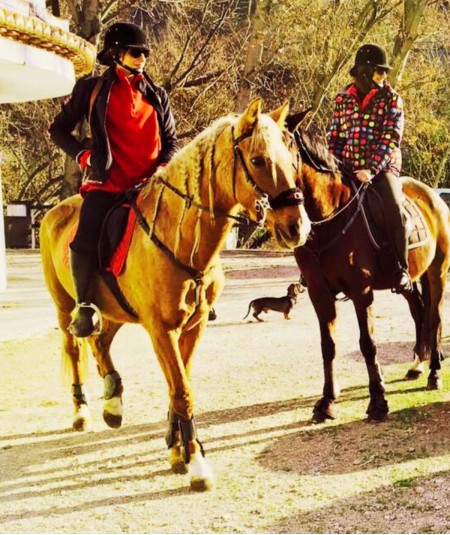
{"x": 406, "y": 36}
{"x": 258, "y": 31}
{"x": 88, "y": 26}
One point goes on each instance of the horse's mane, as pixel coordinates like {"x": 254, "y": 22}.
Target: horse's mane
{"x": 318, "y": 151}
{"x": 193, "y": 167}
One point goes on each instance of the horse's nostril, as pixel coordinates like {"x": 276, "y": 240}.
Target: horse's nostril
{"x": 294, "y": 230}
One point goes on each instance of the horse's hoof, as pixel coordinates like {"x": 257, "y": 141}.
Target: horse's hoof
{"x": 434, "y": 383}
{"x": 324, "y": 409}
{"x": 377, "y": 417}
{"x": 112, "y": 420}
{"x": 82, "y": 419}
{"x": 179, "y": 467}
{"x": 412, "y": 375}
{"x": 199, "y": 484}
{"x": 377, "y": 411}
{"x": 112, "y": 412}
{"x": 201, "y": 475}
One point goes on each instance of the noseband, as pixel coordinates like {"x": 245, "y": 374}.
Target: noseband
{"x": 289, "y": 197}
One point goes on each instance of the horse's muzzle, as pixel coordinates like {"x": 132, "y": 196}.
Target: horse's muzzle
{"x": 294, "y": 232}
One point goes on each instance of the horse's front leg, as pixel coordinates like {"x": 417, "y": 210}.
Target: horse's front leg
{"x": 112, "y": 382}
{"x": 378, "y": 406}
{"x": 74, "y": 360}
{"x": 174, "y": 351}
{"x": 326, "y": 312}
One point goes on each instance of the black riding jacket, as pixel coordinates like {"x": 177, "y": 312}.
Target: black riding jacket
{"x": 77, "y": 108}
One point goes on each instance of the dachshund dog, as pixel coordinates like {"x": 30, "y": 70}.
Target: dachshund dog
{"x": 278, "y": 304}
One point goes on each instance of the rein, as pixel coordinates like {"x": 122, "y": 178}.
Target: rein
{"x": 289, "y": 197}
{"x": 359, "y": 195}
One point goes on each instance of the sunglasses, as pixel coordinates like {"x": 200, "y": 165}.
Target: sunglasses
{"x": 137, "y": 52}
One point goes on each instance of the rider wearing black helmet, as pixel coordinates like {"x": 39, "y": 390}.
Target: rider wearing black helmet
{"x": 133, "y": 133}
{"x": 365, "y": 136}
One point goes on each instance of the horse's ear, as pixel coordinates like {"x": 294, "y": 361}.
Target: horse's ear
{"x": 280, "y": 114}
{"x": 247, "y": 121}
{"x": 295, "y": 120}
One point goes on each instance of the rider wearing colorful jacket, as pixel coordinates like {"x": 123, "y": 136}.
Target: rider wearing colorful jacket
{"x": 133, "y": 133}
{"x": 365, "y": 135}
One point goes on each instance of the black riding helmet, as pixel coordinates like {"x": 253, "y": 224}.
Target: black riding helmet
{"x": 371, "y": 55}
{"x": 119, "y": 36}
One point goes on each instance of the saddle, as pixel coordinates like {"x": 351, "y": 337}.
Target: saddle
{"x": 373, "y": 215}
{"x": 115, "y": 239}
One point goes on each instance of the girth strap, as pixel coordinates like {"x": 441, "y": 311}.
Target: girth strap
{"x": 196, "y": 274}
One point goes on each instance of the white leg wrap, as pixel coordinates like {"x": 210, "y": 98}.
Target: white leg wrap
{"x": 82, "y": 420}
{"x": 202, "y": 477}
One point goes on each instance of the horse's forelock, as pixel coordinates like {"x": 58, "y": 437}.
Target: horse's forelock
{"x": 265, "y": 135}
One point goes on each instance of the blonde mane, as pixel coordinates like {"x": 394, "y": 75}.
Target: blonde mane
{"x": 193, "y": 166}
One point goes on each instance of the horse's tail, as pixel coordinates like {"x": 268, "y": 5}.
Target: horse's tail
{"x": 66, "y": 363}
{"x": 249, "y": 308}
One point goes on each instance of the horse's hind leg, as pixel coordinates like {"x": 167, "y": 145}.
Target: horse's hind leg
{"x": 436, "y": 278}
{"x": 378, "y": 406}
{"x": 113, "y": 389}
{"x": 416, "y": 307}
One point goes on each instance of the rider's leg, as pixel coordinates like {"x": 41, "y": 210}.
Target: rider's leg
{"x": 83, "y": 258}
{"x": 389, "y": 187}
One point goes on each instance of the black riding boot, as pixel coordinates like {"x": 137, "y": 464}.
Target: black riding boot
{"x": 83, "y": 272}
{"x": 402, "y": 281}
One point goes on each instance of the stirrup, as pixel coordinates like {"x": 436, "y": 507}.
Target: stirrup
{"x": 98, "y": 327}
{"x": 402, "y": 282}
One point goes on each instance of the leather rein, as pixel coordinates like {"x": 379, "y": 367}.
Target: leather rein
{"x": 289, "y": 197}
{"x": 358, "y": 196}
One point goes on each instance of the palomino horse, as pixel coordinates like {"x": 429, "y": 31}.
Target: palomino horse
{"x": 341, "y": 257}
{"x": 173, "y": 273}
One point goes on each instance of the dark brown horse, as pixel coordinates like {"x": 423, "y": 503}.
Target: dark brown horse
{"x": 342, "y": 257}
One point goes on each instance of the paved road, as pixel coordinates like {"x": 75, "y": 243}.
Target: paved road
{"x": 26, "y": 309}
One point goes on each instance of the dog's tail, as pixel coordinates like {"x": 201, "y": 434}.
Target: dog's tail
{"x": 249, "y": 308}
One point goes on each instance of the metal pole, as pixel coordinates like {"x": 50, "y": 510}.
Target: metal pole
{"x": 2, "y": 237}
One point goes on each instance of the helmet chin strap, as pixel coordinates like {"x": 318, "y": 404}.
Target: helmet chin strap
{"x": 133, "y": 71}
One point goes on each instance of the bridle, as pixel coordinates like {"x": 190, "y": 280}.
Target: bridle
{"x": 288, "y": 197}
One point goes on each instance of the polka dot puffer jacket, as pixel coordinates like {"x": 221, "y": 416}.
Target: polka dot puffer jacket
{"x": 367, "y": 134}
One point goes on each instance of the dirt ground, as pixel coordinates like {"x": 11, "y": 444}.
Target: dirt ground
{"x": 255, "y": 386}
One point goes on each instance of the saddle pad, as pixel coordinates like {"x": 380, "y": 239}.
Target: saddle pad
{"x": 114, "y": 260}
{"x": 419, "y": 233}
{"x": 119, "y": 256}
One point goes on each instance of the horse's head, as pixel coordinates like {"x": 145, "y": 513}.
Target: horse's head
{"x": 264, "y": 175}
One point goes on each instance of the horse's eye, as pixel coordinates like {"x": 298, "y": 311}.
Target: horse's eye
{"x": 258, "y": 161}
